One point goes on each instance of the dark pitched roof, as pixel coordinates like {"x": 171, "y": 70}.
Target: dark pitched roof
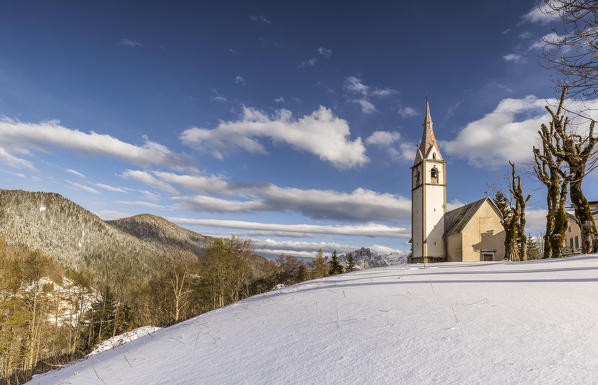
{"x": 456, "y": 220}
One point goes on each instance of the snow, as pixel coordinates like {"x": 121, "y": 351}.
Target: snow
{"x": 122, "y": 339}
{"x": 452, "y": 323}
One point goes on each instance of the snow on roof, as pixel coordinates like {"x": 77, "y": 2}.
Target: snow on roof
{"x": 450, "y": 323}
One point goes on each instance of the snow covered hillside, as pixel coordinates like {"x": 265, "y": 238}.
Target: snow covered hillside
{"x": 452, "y": 323}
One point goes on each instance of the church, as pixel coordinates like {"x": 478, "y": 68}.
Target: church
{"x": 469, "y": 233}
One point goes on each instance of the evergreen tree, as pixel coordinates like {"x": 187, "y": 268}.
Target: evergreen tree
{"x": 351, "y": 263}
{"x": 303, "y": 273}
{"x": 100, "y": 320}
{"x": 335, "y": 267}
{"x": 319, "y": 266}
{"x": 533, "y": 250}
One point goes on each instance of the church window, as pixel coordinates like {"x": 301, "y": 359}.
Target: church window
{"x": 417, "y": 178}
{"x": 434, "y": 175}
{"x": 434, "y": 155}
{"x": 576, "y": 242}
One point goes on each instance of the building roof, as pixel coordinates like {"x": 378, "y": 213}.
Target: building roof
{"x": 456, "y": 220}
{"x": 572, "y": 217}
{"x": 428, "y": 138}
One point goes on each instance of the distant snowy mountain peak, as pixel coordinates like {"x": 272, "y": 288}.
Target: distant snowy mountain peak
{"x": 366, "y": 258}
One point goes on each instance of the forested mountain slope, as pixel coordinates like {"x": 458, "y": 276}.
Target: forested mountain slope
{"x": 70, "y": 234}
{"x": 162, "y": 233}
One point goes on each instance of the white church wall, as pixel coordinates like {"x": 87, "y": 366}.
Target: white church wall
{"x": 416, "y": 224}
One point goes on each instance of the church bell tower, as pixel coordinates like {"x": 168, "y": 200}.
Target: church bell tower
{"x": 428, "y": 198}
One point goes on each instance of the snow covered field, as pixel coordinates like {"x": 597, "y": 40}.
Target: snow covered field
{"x": 454, "y": 323}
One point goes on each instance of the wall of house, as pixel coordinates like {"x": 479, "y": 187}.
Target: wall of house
{"x": 572, "y": 241}
{"x": 483, "y": 232}
{"x": 453, "y": 247}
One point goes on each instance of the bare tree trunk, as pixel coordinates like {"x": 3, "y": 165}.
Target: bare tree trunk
{"x": 589, "y": 236}
{"x": 575, "y": 151}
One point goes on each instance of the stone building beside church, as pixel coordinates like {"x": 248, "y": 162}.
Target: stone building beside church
{"x": 469, "y": 233}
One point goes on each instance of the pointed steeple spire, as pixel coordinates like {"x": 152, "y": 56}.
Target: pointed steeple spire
{"x": 428, "y": 138}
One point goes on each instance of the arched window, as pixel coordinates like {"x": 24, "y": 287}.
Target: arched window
{"x": 434, "y": 175}
{"x": 433, "y": 155}
{"x": 417, "y": 178}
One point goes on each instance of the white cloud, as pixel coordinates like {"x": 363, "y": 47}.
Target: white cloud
{"x": 110, "y": 188}
{"x": 82, "y": 187}
{"x": 369, "y": 230}
{"x": 525, "y": 35}
{"x": 75, "y": 172}
{"x": 383, "y": 138}
{"x": 407, "y": 111}
{"x": 14, "y": 161}
{"x": 197, "y": 183}
{"x": 541, "y": 14}
{"x": 455, "y": 204}
{"x": 383, "y": 92}
{"x": 450, "y": 112}
{"x": 129, "y": 43}
{"x": 321, "y": 133}
{"x": 142, "y": 204}
{"x": 386, "y": 139}
{"x": 20, "y": 137}
{"x": 259, "y": 19}
{"x": 508, "y": 132}
{"x": 406, "y": 151}
{"x": 366, "y": 106}
{"x": 219, "y": 99}
{"x": 535, "y": 221}
{"x": 512, "y": 57}
{"x": 360, "y": 204}
{"x": 150, "y": 180}
{"x": 309, "y": 62}
{"x": 326, "y": 52}
{"x": 548, "y": 41}
{"x": 150, "y": 195}
{"x": 354, "y": 85}
{"x": 240, "y": 80}
{"x": 279, "y": 99}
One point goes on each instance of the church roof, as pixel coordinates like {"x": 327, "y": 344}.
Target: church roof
{"x": 428, "y": 139}
{"x": 456, "y": 220}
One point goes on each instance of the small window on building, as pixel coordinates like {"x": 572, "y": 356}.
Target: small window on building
{"x": 434, "y": 155}
{"x": 434, "y": 175}
{"x": 571, "y": 243}
{"x": 576, "y": 242}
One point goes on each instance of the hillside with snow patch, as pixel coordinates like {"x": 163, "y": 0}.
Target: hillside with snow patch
{"x": 451, "y": 323}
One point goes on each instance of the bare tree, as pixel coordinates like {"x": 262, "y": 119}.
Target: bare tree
{"x": 573, "y": 51}
{"x": 512, "y": 209}
{"x": 548, "y": 170}
{"x": 509, "y": 221}
{"x": 575, "y": 150}
{"x": 520, "y": 202}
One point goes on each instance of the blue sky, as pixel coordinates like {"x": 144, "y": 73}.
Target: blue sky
{"x": 291, "y": 124}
